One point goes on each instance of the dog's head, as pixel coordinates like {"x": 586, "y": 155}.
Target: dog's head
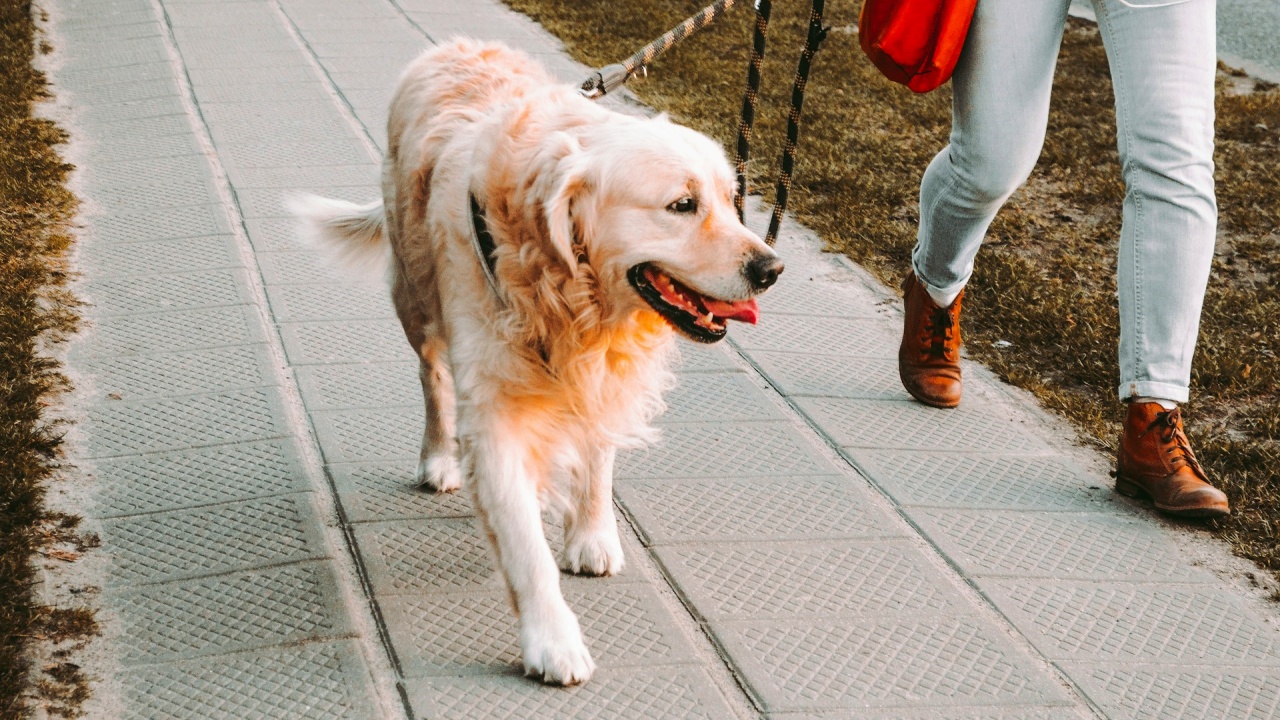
{"x": 650, "y": 205}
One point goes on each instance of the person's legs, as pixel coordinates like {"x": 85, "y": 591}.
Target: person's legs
{"x": 1163, "y": 64}
{"x": 999, "y": 113}
{"x": 1000, "y": 109}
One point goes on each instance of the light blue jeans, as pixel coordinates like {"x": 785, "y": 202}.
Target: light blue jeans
{"x": 1163, "y": 61}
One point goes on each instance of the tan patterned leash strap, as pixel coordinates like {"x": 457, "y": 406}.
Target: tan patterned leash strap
{"x": 611, "y": 77}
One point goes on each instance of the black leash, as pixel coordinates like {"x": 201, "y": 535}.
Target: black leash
{"x": 750, "y": 101}
{"x": 817, "y": 33}
{"x": 611, "y": 77}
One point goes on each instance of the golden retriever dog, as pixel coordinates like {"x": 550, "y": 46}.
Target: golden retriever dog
{"x": 605, "y": 235}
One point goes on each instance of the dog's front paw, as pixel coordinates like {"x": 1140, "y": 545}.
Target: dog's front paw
{"x": 439, "y": 473}
{"x": 555, "y": 652}
{"x": 593, "y": 553}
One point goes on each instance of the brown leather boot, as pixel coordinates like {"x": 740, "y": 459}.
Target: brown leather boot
{"x": 1155, "y": 461}
{"x": 929, "y": 357}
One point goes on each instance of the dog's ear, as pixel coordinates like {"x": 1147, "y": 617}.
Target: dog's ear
{"x": 568, "y": 180}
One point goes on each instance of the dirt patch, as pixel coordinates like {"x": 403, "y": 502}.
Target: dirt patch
{"x": 36, "y": 311}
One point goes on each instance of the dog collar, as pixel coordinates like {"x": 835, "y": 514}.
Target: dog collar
{"x": 482, "y": 242}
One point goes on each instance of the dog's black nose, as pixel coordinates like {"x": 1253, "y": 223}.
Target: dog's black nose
{"x": 763, "y": 271}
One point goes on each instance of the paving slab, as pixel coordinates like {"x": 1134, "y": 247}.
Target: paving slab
{"x": 804, "y": 541}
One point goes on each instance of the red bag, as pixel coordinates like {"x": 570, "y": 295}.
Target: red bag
{"x": 915, "y": 42}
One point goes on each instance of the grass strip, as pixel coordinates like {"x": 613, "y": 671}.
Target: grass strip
{"x": 36, "y": 310}
{"x": 1041, "y": 308}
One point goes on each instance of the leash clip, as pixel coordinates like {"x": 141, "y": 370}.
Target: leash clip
{"x": 604, "y": 81}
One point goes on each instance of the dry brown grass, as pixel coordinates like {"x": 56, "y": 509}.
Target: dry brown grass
{"x": 35, "y": 310}
{"x": 1045, "y": 280}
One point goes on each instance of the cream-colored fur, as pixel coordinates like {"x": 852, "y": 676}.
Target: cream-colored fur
{"x": 529, "y": 394}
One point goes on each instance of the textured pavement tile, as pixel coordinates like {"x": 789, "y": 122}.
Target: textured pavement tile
{"x": 390, "y": 491}
{"x": 274, "y": 234}
{"x": 1056, "y": 545}
{"x": 103, "y": 115}
{"x": 144, "y": 377}
{"x": 366, "y": 175}
{"x": 1123, "y": 622}
{"x": 449, "y": 555}
{"x": 288, "y": 153}
{"x": 345, "y": 342}
{"x": 718, "y": 397}
{"x": 927, "y": 660}
{"x": 623, "y": 624}
{"x": 226, "y": 613}
{"x": 1162, "y": 692}
{"x": 706, "y": 358}
{"x": 296, "y": 267}
{"x": 301, "y": 303}
{"x": 182, "y": 544}
{"x": 993, "y": 712}
{"x": 165, "y": 293}
{"x": 84, "y": 76}
{"x": 137, "y": 147}
{"x": 228, "y": 326}
{"x": 315, "y": 680}
{"x": 272, "y": 202}
{"x": 998, "y": 482}
{"x": 832, "y": 375}
{"x": 768, "y": 508}
{"x": 427, "y": 556}
{"x": 691, "y": 450}
{"x": 162, "y": 256}
{"x": 128, "y": 91}
{"x": 142, "y": 132}
{"x": 670, "y": 693}
{"x": 148, "y": 193}
{"x": 799, "y": 295}
{"x": 810, "y": 580}
{"x": 185, "y": 222}
{"x": 257, "y": 90}
{"x": 190, "y": 478}
{"x": 830, "y": 336}
{"x": 886, "y": 424}
{"x": 124, "y": 428}
{"x": 370, "y": 435}
{"x": 361, "y": 385}
{"x": 150, "y": 172}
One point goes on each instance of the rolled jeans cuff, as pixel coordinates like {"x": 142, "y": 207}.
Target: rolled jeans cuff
{"x": 1147, "y": 388}
{"x": 935, "y": 291}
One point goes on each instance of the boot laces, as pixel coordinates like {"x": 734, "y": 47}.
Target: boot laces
{"x": 937, "y": 333}
{"x": 1177, "y": 446}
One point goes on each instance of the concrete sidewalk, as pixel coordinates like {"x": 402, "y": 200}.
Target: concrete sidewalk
{"x": 806, "y": 542}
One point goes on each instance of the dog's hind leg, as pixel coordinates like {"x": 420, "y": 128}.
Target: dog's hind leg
{"x": 438, "y": 460}
{"x": 504, "y": 479}
{"x": 591, "y": 545}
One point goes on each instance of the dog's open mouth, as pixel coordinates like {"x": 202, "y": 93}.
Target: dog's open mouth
{"x": 700, "y": 317}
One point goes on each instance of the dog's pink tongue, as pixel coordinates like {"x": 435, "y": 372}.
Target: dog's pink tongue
{"x": 747, "y": 311}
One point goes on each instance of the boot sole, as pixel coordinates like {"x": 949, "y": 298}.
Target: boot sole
{"x": 1129, "y": 488}
{"x": 931, "y": 402}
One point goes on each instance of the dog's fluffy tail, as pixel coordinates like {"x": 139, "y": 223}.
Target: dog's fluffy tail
{"x": 353, "y": 237}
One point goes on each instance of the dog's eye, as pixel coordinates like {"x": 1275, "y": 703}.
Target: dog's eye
{"x": 684, "y": 205}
